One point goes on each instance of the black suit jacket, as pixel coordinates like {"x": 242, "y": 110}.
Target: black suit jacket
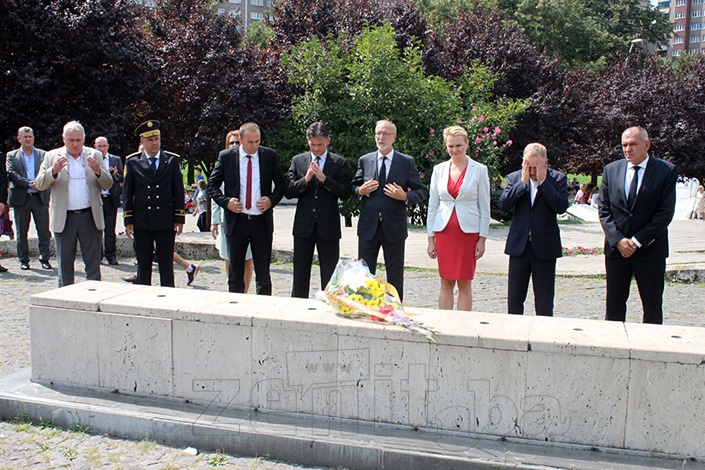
{"x": 539, "y": 219}
{"x": 3, "y": 180}
{"x": 318, "y": 203}
{"x": 227, "y": 170}
{"x": 17, "y": 174}
{"x": 403, "y": 172}
{"x": 651, "y": 214}
{"x": 153, "y": 201}
{"x": 116, "y": 189}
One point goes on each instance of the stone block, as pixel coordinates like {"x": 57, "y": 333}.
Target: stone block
{"x": 135, "y": 354}
{"x": 64, "y": 345}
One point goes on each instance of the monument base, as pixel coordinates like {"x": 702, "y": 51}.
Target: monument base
{"x": 306, "y": 440}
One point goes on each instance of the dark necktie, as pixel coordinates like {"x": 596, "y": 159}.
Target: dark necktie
{"x": 316, "y": 180}
{"x": 248, "y": 191}
{"x": 153, "y": 163}
{"x": 633, "y": 186}
{"x": 382, "y": 180}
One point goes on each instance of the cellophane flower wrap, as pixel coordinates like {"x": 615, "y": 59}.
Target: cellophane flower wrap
{"x": 356, "y": 293}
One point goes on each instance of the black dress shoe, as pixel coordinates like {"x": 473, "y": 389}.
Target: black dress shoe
{"x": 46, "y": 264}
{"x": 24, "y": 265}
{"x": 3, "y": 269}
{"x": 112, "y": 261}
{"x": 130, "y": 279}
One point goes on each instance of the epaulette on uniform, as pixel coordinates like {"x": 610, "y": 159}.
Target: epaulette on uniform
{"x": 172, "y": 154}
{"x": 133, "y": 155}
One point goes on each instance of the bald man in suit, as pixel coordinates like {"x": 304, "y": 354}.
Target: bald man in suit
{"x": 638, "y": 199}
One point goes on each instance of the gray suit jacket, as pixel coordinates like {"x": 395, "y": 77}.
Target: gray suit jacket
{"x": 60, "y": 194}
{"x": 17, "y": 175}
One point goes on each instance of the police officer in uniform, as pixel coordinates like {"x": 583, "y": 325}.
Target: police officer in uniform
{"x": 153, "y": 204}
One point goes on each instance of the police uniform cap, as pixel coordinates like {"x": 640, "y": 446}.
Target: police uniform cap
{"x": 148, "y": 129}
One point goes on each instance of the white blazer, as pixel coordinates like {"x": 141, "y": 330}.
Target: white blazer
{"x": 472, "y": 205}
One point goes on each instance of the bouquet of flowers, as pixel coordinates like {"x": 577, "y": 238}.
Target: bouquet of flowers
{"x": 358, "y": 294}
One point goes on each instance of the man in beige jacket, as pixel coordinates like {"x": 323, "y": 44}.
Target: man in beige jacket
{"x": 75, "y": 175}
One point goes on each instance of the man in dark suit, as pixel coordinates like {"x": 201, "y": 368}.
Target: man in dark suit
{"x": 154, "y": 204}
{"x": 638, "y": 199}
{"x": 537, "y": 194}
{"x": 248, "y": 171}
{"x": 111, "y": 198}
{"x": 3, "y": 193}
{"x": 28, "y": 203}
{"x": 387, "y": 182}
{"x": 319, "y": 179}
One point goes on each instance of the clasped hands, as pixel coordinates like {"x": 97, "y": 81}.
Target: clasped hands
{"x": 314, "y": 170}
{"x": 234, "y": 204}
{"x": 627, "y": 247}
{"x": 392, "y": 190}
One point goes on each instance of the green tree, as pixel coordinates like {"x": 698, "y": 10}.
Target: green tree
{"x": 589, "y": 32}
{"x": 351, "y": 88}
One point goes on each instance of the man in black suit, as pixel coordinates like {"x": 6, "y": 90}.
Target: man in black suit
{"x": 387, "y": 182}
{"x": 537, "y": 194}
{"x": 28, "y": 203}
{"x": 638, "y": 199}
{"x": 248, "y": 171}
{"x": 3, "y": 193}
{"x": 154, "y": 204}
{"x": 319, "y": 179}
{"x": 111, "y": 198}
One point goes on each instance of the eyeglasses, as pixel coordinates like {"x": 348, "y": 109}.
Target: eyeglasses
{"x": 232, "y": 142}
{"x": 385, "y": 134}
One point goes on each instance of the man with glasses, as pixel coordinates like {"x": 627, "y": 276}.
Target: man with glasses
{"x": 386, "y": 182}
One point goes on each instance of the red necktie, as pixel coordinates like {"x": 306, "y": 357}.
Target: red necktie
{"x": 248, "y": 197}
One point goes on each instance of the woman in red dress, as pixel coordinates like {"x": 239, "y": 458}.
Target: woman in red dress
{"x": 458, "y": 219}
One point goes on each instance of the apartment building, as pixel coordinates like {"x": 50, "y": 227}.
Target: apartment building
{"x": 688, "y": 17}
{"x": 249, "y": 10}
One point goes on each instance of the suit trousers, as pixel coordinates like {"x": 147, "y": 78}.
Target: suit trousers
{"x": 649, "y": 275}
{"x": 110, "y": 216}
{"x": 79, "y": 228}
{"x": 542, "y": 273}
{"x": 253, "y": 231}
{"x": 328, "y": 254}
{"x": 393, "y": 257}
{"x": 145, "y": 242}
{"x": 33, "y": 208}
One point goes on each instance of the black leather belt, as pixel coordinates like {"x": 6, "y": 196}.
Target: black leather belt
{"x": 105, "y": 195}
{"x": 79, "y": 211}
{"x": 32, "y": 194}
{"x": 250, "y": 216}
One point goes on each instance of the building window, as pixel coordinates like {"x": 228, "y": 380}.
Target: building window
{"x": 696, "y": 26}
{"x": 697, "y": 2}
{"x": 235, "y": 1}
{"x": 270, "y": 2}
{"x": 694, "y": 39}
{"x": 679, "y": 27}
{"x": 694, "y": 51}
{"x": 696, "y": 13}
{"x": 234, "y": 13}
{"x": 679, "y": 15}
{"x": 676, "y": 52}
{"x": 257, "y": 3}
{"x": 256, "y": 15}
{"x": 677, "y": 40}
{"x": 680, "y": 3}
